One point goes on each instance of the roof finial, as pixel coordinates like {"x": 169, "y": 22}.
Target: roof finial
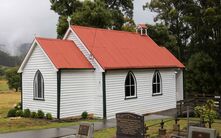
{"x": 69, "y": 21}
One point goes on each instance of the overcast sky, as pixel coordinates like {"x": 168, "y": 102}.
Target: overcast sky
{"x": 22, "y": 20}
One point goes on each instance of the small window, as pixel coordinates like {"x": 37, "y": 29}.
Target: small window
{"x": 157, "y": 83}
{"x": 38, "y": 86}
{"x": 130, "y": 86}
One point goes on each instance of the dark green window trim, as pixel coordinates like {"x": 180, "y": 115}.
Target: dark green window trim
{"x": 104, "y": 96}
{"x": 58, "y": 93}
{"x": 21, "y": 91}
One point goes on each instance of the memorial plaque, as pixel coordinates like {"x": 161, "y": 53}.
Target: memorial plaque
{"x": 130, "y": 125}
{"x": 196, "y": 134}
{"x": 83, "y": 130}
{"x": 86, "y": 130}
{"x": 200, "y": 132}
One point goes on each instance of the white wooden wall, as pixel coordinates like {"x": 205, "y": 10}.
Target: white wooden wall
{"x": 145, "y": 102}
{"x": 79, "y": 93}
{"x": 179, "y": 85}
{"x": 38, "y": 60}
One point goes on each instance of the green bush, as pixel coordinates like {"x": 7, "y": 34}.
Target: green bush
{"x": 19, "y": 113}
{"x": 34, "y": 115}
{"x": 18, "y": 106}
{"x": 49, "y": 116}
{"x": 11, "y": 113}
{"x": 84, "y": 115}
{"x": 27, "y": 113}
{"x": 41, "y": 114}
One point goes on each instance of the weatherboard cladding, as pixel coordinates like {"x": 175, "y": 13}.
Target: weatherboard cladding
{"x": 145, "y": 102}
{"x": 78, "y": 92}
{"x": 39, "y": 61}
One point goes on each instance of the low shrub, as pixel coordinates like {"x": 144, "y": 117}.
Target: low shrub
{"x": 18, "y": 106}
{"x": 49, "y": 116}
{"x": 11, "y": 113}
{"x": 34, "y": 115}
{"x": 41, "y": 114}
{"x": 19, "y": 113}
{"x": 84, "y": 115}
{"x": 27, "y": 113}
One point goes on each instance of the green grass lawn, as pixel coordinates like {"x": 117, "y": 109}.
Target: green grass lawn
{"x": 153, "y": 131}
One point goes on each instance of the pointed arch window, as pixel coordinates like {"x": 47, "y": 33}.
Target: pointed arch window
{"x": 38, "y": 86}
{"x": 130, "y": 86}
{"x": 157, "y": 83}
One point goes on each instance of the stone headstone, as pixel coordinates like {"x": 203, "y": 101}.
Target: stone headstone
{"x": 86, "y": 130}
{"x": 130, "y": 125}
{"x": 200, "y": 132}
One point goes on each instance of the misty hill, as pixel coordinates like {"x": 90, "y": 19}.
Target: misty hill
{"x": 7, "y": 60}
{"x": 23, "y": 49}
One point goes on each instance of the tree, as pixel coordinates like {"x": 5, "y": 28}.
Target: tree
{"x": 161, "y": 35}
{"x": 207, "y": 113}
{"x": 92, "y": 14}
{"x": 65, "y": 7}
{"x": 200, "y": 75}
{"x": 196, "y": 25}
{"x": 170, "y": 13}
{"x": 13, "y": 78}
{"x": 129, "y": 25}
{"x": 97, "y": 13}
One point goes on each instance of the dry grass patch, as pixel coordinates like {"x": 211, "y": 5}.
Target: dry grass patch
{"x": 3, "y": 85}
{"x": 7, "y": 101}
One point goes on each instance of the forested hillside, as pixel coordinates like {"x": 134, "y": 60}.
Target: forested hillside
{"x": 7, "y": 60}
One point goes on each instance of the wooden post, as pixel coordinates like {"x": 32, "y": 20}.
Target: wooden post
{"x": 176, "y": 126}
{"x": 188, "y": 121}
{"x": 219, "y": 105}
{"x": 162, "y": 131}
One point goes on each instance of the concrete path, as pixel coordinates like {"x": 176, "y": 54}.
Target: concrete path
{"x": 67, "y": 132}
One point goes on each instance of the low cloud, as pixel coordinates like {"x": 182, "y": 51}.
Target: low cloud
{"x": 22, "y": 20}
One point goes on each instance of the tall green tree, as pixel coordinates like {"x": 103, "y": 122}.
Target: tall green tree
{"x": 200, "y": 75}
{"x": 170, "y": 13}
{"x": 196, "y": 24}
{"x": 163, "y": 37}
{"x": 97, "y": 13}
{"x": 13, "y": 78}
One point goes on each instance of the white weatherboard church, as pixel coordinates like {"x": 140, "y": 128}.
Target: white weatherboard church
{"x": 102, "y": 72}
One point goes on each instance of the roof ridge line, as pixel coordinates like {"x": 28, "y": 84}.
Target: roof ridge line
{"x": 103, "y": 29}
{"x": 51, "y": 39}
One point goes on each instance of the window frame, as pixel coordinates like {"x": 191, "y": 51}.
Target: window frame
{"x": 36, "y": 92}
{"x": 157, "y": 73}
{"x": 134, "y": 85}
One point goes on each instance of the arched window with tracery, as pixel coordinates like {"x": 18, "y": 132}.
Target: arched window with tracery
{"x": 38, "y": 86}
{"x": 157, "y": 83}
{"x": 130, "y": 86}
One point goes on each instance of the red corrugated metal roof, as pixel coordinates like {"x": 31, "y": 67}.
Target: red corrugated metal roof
{"x": 119, "y": 49}
{"x": 64, "y": 53}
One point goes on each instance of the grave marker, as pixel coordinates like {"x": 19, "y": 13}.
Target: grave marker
{"x": 85, "y": 130}
{"x": 200, "y": 132}
{"x": 130, "y": 125}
